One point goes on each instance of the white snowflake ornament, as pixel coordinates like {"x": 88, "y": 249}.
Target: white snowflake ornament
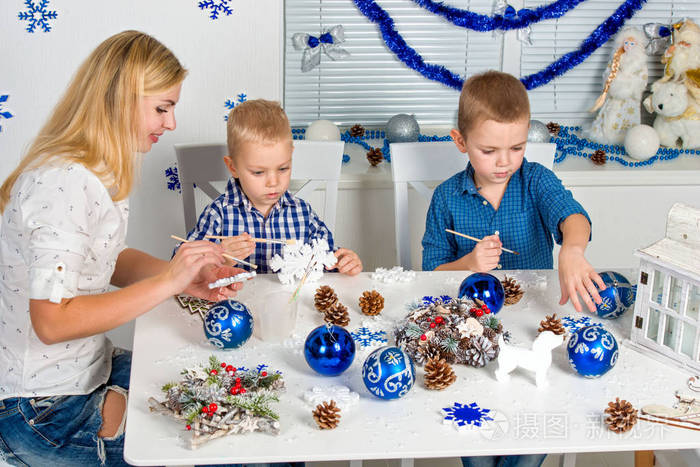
{"x": 395, "y": 274}
{"x": 298, "y": 257}
{"x": 342, "y": 395}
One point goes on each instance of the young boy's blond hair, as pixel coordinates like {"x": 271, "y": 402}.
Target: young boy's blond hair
{"x": 256, "y": 121}
{"x": 492, "y": 95}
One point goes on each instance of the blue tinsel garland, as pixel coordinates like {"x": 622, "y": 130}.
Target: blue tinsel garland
{"x": 439, "y": 73}
{"x": 518, "y": 20}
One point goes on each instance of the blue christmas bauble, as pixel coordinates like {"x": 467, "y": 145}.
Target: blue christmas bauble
{"x": 485, "y": 288}
{"x": 617, "y": 297}
{"x": 388, "y": 373}
{"x": 592, "y": 351}
{"x": 228, "y": 324}
{"x": 402, "y": 128}
{"x": 329, "y": 350}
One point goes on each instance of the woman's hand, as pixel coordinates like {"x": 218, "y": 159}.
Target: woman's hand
{"x": 186, "y": 266}
{"x": 199, "y": 287}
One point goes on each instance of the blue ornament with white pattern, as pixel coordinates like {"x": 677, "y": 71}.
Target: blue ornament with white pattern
{"x": 617, "y": 297}
{"x": 593, "y": 351}
{"x": 484, "y": 287}
{"x": 388, "y": 373}
{"x": 329, "y": 350}
{"x": 228, "y": 324}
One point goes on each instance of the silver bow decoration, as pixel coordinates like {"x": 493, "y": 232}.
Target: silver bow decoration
{"x": 327, "y": 43}
{"x": 659, "y": 37}
{"x": 508, "y": 11}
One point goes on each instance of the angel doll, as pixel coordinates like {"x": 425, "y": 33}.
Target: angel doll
{"x": 625, "y": 80}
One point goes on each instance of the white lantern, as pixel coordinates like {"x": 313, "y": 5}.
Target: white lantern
{"x": 666, "y": 320}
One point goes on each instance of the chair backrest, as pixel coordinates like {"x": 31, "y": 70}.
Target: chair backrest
{"x": 317, "y": 163}
{"x": 416, "y": 163}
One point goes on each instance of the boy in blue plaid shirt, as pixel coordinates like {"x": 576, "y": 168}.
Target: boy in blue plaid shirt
{"x": 500, "y": 191}
{"x": 501, "y": 197}
{"x": 256, "y": 203}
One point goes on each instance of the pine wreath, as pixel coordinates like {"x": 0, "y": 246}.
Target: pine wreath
{"x": 621, "y": 416}
{"x": 327, "y": 415}
{"x": 371, "y": 303}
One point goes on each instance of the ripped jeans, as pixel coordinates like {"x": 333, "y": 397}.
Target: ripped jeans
{"x": 62, "y": 430}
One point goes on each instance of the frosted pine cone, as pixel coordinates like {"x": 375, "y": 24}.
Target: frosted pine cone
{"x": 512, "y": 290}
{"x": 337, "y": 314}
{"x": 374, "y": 156}
{"x": 552, "y": 323}
{"x": 438, "y": 374}
{"x": 371, "y": 303}
{"x": 621, "y": 416}
{"x": 325, "y": 298}
{"x": 482, "y": 351}
{"x": 327, "y": 415}
{"x": 358, "y": 131}
{"x": 427, "y": 352}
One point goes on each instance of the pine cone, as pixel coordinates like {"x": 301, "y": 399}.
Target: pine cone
{"x": 374, "y": 156}
{"x": 327, "y": 415}
{"x": 481, "y": 352}
{"x": 438, "y": 374}
{"x": 325, "y": 298}
{"x": 598, "y": 157}
{"x": 552, "y": 323}
{"x": 358, "y": 131}
{"x": 371, "y": 303}
{"x": 553, "y": 128}
{"x": 513, "y": 291}
{"x": 337, "y": 314}
{"x": 622, "y": 416}
{"x": 428, "y": 352}
{"x": 490, "y": 334}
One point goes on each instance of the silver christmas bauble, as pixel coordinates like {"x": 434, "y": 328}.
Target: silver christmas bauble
{"x": 402, "y": 128}
{"x": 538, "y": 132}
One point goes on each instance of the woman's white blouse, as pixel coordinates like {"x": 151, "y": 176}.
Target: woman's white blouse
{"x": 60, "y": 237}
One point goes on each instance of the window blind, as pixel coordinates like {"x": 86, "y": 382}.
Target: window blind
{"x": 372, "y": 85}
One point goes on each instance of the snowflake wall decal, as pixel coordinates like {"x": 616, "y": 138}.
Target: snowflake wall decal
{"x": 4, "y": 113}
{"x": 365, "y": 337}
{"x": 172, "y": 178}
{"x": 466, "y": 416}
{"x": 216, "y": 7}
{"x": 231, "y": 103}
{"x": 37, "y": 15}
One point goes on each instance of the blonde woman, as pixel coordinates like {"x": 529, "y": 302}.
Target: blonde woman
{"x": 625, "y": 80}
{"x": 64, "y": 211}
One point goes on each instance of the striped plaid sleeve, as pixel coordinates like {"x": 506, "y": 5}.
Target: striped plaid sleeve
{"x": 318, "y": 229}
{"x": 437, "y": 247}
{"x": 554, "y": 202}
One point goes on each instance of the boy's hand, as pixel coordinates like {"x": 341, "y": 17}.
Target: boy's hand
{"x": 485, "y": 255}
{"x": 348, "y": 262}
{"x": 576, "y": 278}
{"x": 239, "y": 246}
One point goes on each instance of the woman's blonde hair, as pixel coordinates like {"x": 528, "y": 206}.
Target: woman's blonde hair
{"x": 96, "y": 121}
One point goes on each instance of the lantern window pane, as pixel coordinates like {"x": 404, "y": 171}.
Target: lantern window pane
{"x": 671, "y": 333}
{"x": 693, "y": 303}
{"x": 688, "y": 342}
{"x": 674, "y": 299}
{"x": 653, "y": 325}
{"x": 657, "y": 289}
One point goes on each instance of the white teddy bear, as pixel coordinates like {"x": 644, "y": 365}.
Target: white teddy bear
{"x": 678, "y": 114}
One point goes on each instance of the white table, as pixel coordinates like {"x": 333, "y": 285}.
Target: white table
{"x": 565, "y": 417}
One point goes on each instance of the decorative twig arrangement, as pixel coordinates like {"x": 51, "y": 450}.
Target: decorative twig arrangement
{"x": 219, "y": 400}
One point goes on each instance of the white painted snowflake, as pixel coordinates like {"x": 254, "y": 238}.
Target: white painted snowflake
{"x": 465, "y": 416}
{"x": 395, "y": 274}
{"x": 297, "y": 258}
{"x": 342, "y": 395}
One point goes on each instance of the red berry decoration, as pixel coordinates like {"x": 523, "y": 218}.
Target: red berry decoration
{"x": 213, "y": 407}
{"x": 188, "y": 427}
{"x": 234, "y": 391}
{"x": 263, "y": 374}
{"x": 432, "y": 325}
{"x": 423, "y": 337}
{"x": 205, "y": 409}
{"x": 223, "y": 365}
{"x": 439, "y": 320}
{"x": 242, "y": 390}
{"x": 214, "y": 372}
{"x": 238, "y": 380}
{"x": 229, "y": 368}
{"x": 479, "y": 313}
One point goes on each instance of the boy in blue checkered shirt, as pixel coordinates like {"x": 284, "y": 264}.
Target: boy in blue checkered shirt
{"x": 256, "y": 203}
{"x": 506, "y": 200}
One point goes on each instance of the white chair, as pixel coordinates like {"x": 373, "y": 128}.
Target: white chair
{"x": 317, "y": 163}
{"x": 415, "y": 164}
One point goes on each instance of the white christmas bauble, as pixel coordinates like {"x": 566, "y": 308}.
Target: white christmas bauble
{"x": 641, "y": 142}
{"x": 323, "y": 130}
